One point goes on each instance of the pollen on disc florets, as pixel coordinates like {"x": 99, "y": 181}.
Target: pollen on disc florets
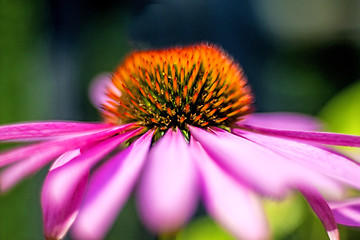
{"x": 199, "y": 85}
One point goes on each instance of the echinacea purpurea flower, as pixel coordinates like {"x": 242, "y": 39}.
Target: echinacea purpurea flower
{"x": 178, "y": 122}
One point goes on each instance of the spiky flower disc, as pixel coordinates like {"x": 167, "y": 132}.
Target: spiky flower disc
{"x": 199, "y": 85}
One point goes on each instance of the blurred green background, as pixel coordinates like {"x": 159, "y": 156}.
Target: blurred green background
{"x": 297, "y": 55}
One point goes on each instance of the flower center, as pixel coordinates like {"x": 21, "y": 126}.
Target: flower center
{"x": 198, "y": 85}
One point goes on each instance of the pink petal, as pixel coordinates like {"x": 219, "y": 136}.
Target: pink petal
{"x": 316, "y": 137}
{"x": 229, "y": 202}
{"x": 320, "y": 160}
{"x": 41, "y": 154}
{"x": 347, "y": 212}
{"x": 59, "y": 212}
{"x": 323, "y": 211}
{"x": 61, "y": 195}
{"x": 108, "y": 190}
{"x": 45, "y": 129}
{"x": 64, "y": 158}
{"x": 62, "y": 144}
{"x": 282, "y": 120}
{"x": 168, "y": 189}
{"x": 260, "y": 168}
{"x": 70, "y": 172}
{"x": 98, "y": 89}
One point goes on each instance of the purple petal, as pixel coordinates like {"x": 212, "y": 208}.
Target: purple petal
{"x": 316, "y": 137}
{"x": 347, "y": 212}
{"x": 43, "y": 153}
{"x": 39, "y": 130}
{"x": 108, "y": 190}
{"x": 229, "y": 202}
{"x": 282, "y": 120}
{"x": 260, "y": 168}
{"x": 60, "y": 211}
{"x": 320, "y": 160}
{"x": 98, "y": 89}
{"x": 168, "y": 189}
{"x": 323, "y": 211}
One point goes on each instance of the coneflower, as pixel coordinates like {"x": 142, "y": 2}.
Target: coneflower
{"x": 177, "y": 123}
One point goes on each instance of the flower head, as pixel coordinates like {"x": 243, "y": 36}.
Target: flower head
{"x": 173, "y": 88}
{"x": 177, "y": 122}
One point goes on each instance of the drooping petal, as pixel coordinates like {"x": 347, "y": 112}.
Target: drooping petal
{"x": 229, "y": 202}
{"x": 38, "y": 130}
{"x": 264, "y": 170}
{"x": 316, "y": 137}
{"x": 64, "y": 158}
{"x": 323, "y": 211}
{"x": 60, "y": 212}
{"x": 65, "y": 185}
{"x": 347, "y": 212}
{"x": 41, "y": 154}
{"x": 320, "y": 160}
{"x": 70, "y": 172}
{"x": 63, "y": 144}
{"x": 282, "y": 120}
{"x": 108, "y": 190}
{"x": 98, "y": 87}
{"x": 168, "y": 189}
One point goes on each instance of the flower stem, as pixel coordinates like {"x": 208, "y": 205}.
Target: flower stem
{"x": 168, "y": 236}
